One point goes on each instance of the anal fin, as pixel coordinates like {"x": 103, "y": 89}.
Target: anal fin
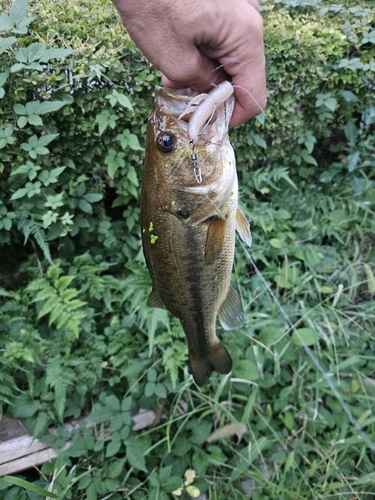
{"x": 231, "y": 313}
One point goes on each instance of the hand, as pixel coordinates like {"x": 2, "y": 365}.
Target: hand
{"x": 199, "y": 44}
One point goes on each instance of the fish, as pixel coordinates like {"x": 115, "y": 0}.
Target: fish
{"x": 189, "y": 215}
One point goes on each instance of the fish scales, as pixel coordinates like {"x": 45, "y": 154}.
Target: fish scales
{"x": 188, "y": 229}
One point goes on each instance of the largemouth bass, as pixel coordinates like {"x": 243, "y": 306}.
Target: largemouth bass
{"x": 189, "y": 214}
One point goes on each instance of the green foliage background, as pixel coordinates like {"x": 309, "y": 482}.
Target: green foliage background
{"x": 76, "y": 338}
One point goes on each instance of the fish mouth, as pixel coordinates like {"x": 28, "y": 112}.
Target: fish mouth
{"x": 182, "y": 106}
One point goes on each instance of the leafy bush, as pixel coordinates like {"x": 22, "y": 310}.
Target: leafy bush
{"x": 76, "y": 338}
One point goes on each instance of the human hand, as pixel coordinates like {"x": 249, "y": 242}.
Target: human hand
{"x": 199, "y": 44}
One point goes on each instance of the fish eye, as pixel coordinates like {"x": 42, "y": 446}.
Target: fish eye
{"x": 166, "y": 142}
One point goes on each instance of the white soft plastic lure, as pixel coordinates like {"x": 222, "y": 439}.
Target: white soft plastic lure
{"x": 206, "y": 107}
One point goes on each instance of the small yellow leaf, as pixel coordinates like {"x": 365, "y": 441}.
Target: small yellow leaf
{"x": 190, "y": 475}
{"x": 371, "y": 278}
{"x": 193, "y": 491}
{"x": 228, "y": 430}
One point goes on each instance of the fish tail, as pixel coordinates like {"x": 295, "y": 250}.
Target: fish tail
{"x": 217, "y": 359}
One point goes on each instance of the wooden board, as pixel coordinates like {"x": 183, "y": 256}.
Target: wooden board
{"x": 20, "y": 451}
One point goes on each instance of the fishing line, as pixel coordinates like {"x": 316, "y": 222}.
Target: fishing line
{"x": 366, "y": 438}
{"x": 236, "y": 61}
{"x": 330, "y": 383}
{"x": 332, "y": 386}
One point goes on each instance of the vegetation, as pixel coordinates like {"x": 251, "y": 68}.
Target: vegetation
{"x": 295, "y": 419}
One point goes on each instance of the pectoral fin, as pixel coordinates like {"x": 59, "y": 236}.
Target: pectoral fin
{"x": 243, "y": 226}
{"x": 231, "y": 314}
{"x": 215, "y": 239}
{"x": 154, "y": 300}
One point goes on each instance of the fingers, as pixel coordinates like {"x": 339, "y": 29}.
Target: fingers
{"x": 201, "y": 75}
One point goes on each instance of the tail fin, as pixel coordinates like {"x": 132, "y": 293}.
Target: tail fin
{"x": 217, "y": 359}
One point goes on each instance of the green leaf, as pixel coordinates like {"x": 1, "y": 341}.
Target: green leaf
{"x": 6, "y": 22}
{"x": 3, "y": 78}
{"x": 44, "y": 140}
{"x": 349, "y": 96}
{"x": 16, "y": 67}
{"x": 20, "y": 193}
{"x": 50, "y": 106}
{"x": 55, "y": 54}
{"x": 85, "y": 206}
{"x": 29, "y": 486}
{"x": 289, "y": 461}
{"x": 276, "y": 243}
{"x": 124, "y": 101}
{"x": 132, "y": 176}
{"x": 134, "y": 454}
{"x": 5, "y": 43}
{"x": 246, "y": 370}
{"x": 93, "y": 197}
{"x": 35, "y": 120}
{"x": 35, "y": 51}
{"x": 353, "y": 160}
{"x": 22, "y": 121}
{"x": 304, "y": 336}
{"x": 133, "y": 143}
{"x": 331, "y": 103}
{"x": 24, "y": 406}
{"x": 18, "y": 10}
{"x": 270, "y": 335}
{"x": 261, "y": 142}
{"x": 351, "y": 133}
{"x": 114, "y": 445}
